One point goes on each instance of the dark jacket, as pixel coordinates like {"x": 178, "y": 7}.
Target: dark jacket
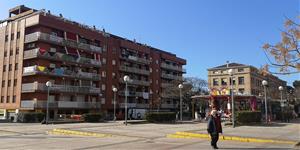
{"x": 214, "y": 125}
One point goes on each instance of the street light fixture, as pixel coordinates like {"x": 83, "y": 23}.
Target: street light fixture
{"x": 280, "y": 88}
{"x": 48, "y": 84}
{"x": 265, "y": 83}
{"x": 126, "y": 80}
{"x": 180, "y": 86}
{"x": 115, "y": 90}
{"x": 230, "y": 72}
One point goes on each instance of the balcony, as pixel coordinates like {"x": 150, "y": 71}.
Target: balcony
{"x": 35, "y": 86}
{"x": 165, "y": 85}
{"x": 35, "y": 53}
{"x": 137, "y": 82}
{"x": 32, "y": 104}
{"x": 144, "y": 95}
{"x": 134, "y": 70}
{"x": 60, "y": 72}
{"x": 61, "y": 41}
{"x": 136, "y": 59}
{"x": 170, "y": 76}
{"x": 172, "y": 67}
{"x": 168, "y": 106}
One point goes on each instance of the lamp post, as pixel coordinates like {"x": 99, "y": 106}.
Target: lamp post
{"x": 115, "y": 90}
{"x": 48, "y": 84}
{"x": 230, "y": 72}
{"x": 265, "y": 83}
{"x": 180, "y": 86}
{"x": 126, "y": 80}
{"x": 280, "y": 88}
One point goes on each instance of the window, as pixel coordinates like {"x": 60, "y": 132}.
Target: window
{"x": 224, "y": 81}
{"x": 2, "y": 99}
{"x": 18, "y": 35}
{"x": 12, "y": 36}
{"x": 16, "y": 66}
{"x": 4, "y": 68}
{"x": 241, "y": 70}
{"x": 15, "y": 82}
{"x": 233, "y": 81}
{"x": 104, "y": 61}
{"x": 242, "y": 91}
{"x": 241, "y": 80}
{"x": 215, "y": 81}
{"x": 17, "y": 50}
{"x": 3, "y": 83}
{"x": 7, "y": 99}
{"x": 14, "y": 99}
{"x": 113, "y": 62}
{"x": 5, "y": 53}
{"x": 8, "y": 83}
{"x": 10, "y": 53}
{"x": 6, "y": 38}
{"x": 103, "y": 87}
{"x": 103, "y": 74}
{"x": 9, "y": 67}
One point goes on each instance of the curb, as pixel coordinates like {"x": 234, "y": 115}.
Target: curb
{"x": 189, "y": 135}
{"x": 80, "y": 133}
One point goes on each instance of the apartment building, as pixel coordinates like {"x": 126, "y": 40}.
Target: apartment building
{"x": 82, "y": 63}
{"x": 246, "y": 79}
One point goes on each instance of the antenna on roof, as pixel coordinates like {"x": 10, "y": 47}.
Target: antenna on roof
{"x": 227, "y": 63}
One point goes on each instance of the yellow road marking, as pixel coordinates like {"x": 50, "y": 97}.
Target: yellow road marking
{"x": 189, "y": 135}
{"x": 81, "y": 133}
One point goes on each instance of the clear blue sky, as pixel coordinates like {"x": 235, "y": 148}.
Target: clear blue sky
{"x": 205, "y": 32}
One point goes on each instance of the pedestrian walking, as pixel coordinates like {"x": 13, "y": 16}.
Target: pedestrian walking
{"x": 214, "y": 127}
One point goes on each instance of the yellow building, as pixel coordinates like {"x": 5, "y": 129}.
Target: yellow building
{"x": 247, "y": 80}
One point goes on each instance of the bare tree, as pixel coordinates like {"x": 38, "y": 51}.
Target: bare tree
{"x": 285, "y": 55}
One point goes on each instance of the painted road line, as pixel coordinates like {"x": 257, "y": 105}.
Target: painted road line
{"x": 228, "y": 138}
{"x": 80, "y": 133}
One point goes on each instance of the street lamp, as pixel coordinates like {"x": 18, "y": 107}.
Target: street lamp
{"x": 126, "y": 80}
{"x": 115, "y": 90}
{"x": 280, "y": 88}
{"x": 48, "y": 84}
{"x": 265, "y": 83}
{"x": 230, "y": 72}
{"x": 180, "y": 86}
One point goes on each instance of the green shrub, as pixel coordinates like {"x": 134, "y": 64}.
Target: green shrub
{"x": 93, "y": 117}
{"x": 244, "y": 117}
{"x": 161, "y": 117}
{"x": 31, "y": 117}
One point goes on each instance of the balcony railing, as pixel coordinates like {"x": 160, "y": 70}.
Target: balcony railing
{"x": 35, "y": 86}
{"x": 32, "y": 70}
{"x": 172, "y": 67}
{"x": 170, "y": 76}
{"x": 134, "y": 70}
{"x": 165, "y": 85}
{"x": 61, "y": 41}
{"x": 144, "y": 95}
{"x": 31, "y": 104}
{"x": 35, "y": 53}
{"x": 168, "y": 106}
{"x": 136, "y": 59}
{"x": 137, "y": 82}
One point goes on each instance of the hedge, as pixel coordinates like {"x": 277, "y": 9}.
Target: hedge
{"x": 31, "y": 117}
{"x": 161, "y": 117}
{"x": 93, "y": 117}
{"x": 244, "y": 117}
